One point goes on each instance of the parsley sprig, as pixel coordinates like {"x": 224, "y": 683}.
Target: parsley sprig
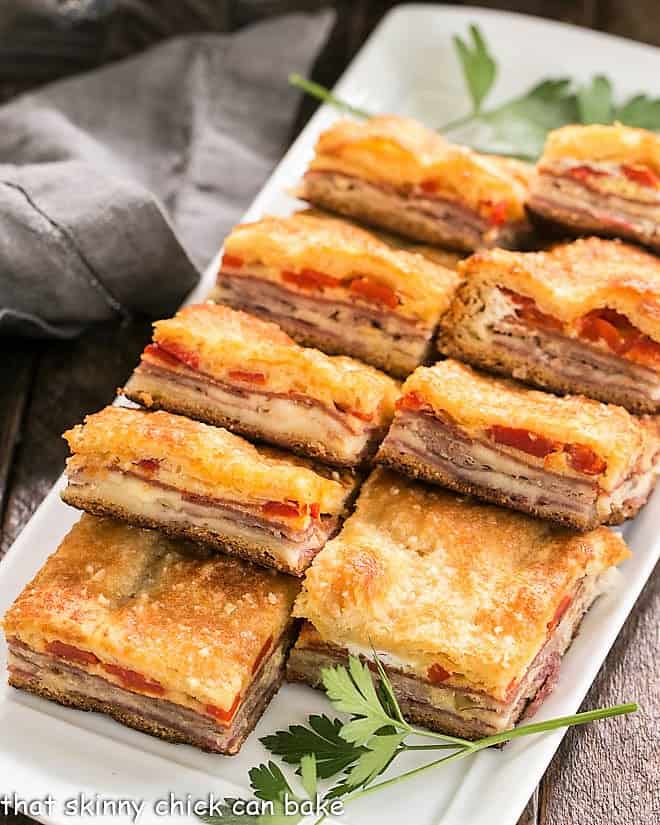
{"x": 356, "y": 752}
{"x": 518, "y": 127}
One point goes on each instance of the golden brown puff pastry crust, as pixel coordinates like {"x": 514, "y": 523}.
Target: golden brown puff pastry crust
{"x": 198, "y": 458}
{"x": 477, "y": 401}
{"x": 570, "y": 280}
{"x": 218, "y": 340}
{"x": 402, "y": 152}
{"x": 346, "y": 252}
{"x": 431, "y": 577}
{"x": 194, "y": 621}
{"x": 603, "y": 144}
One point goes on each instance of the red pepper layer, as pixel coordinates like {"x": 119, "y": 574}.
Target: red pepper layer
{"x": 606, "y": 325}
{"x": 437, "y": 674}
{"x": 564, "y": 604}
{"x": 580, "y": 457}
{"x": 290, "y": 509}
{"x": 133, "y": 680}
{"x": 71, "y": 653}
{"x": 496, "y": 211}
{"x": 129, "y": 678}
{"x": 221, "y": 715}
{"x": 621, "y": 336}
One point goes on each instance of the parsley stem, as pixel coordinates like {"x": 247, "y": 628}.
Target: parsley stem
{"x": 443, "y": 737}
{"x": 461, "y": 121}
{"x": 321, "y": 93}
{"x": 448, "y": 746}
{"x": 554, "y": 724}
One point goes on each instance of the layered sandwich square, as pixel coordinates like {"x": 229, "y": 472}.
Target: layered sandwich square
{"x": 394, "y": 173}
{"x": 470, "y": 607}
{"x": 582, "y": 317}
{"x": 199, "y": 482}
{"x": 571, "y": 459}
{"x": 602, "y": 179}
{"x": 157, "y": 633}
{"x": 228, "y": 368}
{"x": 333, "y": 286}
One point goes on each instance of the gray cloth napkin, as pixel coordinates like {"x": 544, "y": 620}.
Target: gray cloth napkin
{"x": 117, "y": 185}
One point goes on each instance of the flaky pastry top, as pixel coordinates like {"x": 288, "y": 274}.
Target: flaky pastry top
{"x": 477, "y": 402}
{"x": 431, "y": 577}
{"x": 402, "y": 152}
{"x": 223, "y": 342}
{"x": 194, "y": 621}
{"x": 603, "y": 144}
{"x": 197, "y": 457}
{"x": 345, "y": 252}
{"x": 572, "y": 279}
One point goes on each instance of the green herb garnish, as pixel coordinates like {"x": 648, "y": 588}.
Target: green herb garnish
{"x": 518, "y": 127}
{"x": 356, "y": 752}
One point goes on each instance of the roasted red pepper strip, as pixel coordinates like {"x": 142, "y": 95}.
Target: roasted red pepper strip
{"x": 221, "y": 715}
{"x": 247, "y": 377}
{"x": 283, "y": 508}
{"x": 645, "y": 352}
{"x": 262, "y": 654}
{"x": 528, "y": 311}
{"x": 232, "y": 261}
{"x": 437, "y": 674}
{"x": 149, "y": 465}
{"x": 411, "y": 401}
{"x": 315, "y": 510}
{"x": 429, "y": 187}
{"x": 641, "y": 174}
{"x": 310, "y": 279}
{"x": 71, "y": 653}
{"x": 564, "y": 604}
{"x": 133, "y": 679}
{"x": 524, "y": 440}
{"x": 154, "y": 351}
{"x": 584, "y": 172}
{"x": 497, "y": 212}
{"x": 584, "y": 459}
{"x": 362, "y": 416}
{"x": 374, "y": 292}
{"x": 186, "y": 356}
{"x": 620, "y": 335}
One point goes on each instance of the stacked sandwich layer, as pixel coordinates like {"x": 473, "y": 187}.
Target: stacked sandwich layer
{"x": 228, "y": 517}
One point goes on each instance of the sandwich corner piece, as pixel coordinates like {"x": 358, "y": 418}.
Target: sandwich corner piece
{"x": 335, "y": 286}
{"x": 580, "y": 317}
{"x": 396, "y": 174}
{"x": 571, "y": 460}
{"x": 603, "y": 179}
{"x": 162, "y": 635}
{"x": 225, "y": 367}
{"x": 198, "y": 482}
{"x": 469, "y": 606}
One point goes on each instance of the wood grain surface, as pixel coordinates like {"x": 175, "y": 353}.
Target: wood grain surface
{"x": 603, "y": 774}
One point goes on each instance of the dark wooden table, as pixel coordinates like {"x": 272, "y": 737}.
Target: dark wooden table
{"x": 605, "y": 773}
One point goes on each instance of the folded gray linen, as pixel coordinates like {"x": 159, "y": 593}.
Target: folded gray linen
{"x": 116, "y": 186}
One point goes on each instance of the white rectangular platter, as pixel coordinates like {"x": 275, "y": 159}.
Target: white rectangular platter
{"x": 409, "y": 67}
